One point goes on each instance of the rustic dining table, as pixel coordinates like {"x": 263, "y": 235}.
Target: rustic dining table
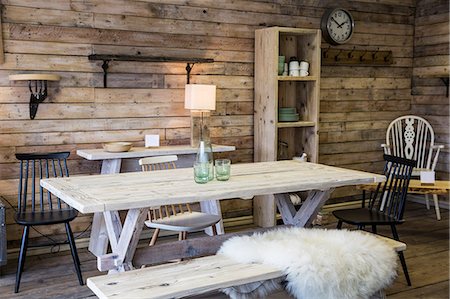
{"x": 136, "y": 191}
{"x": 112, "y": 162}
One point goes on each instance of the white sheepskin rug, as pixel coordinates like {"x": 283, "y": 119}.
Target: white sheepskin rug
{"x": 318, "y": 263}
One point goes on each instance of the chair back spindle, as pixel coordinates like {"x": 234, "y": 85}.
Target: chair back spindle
{"x": 390, "y": 196}
{"x": 163, "y": 163}
{"x": 39, "y": 166}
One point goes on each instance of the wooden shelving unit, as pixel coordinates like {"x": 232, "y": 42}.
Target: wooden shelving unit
{"x": 273, "y": 91}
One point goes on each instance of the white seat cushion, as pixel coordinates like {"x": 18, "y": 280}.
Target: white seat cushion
{"x": 185, "y": 222}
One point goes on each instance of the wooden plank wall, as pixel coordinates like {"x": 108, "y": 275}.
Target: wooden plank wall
{"x": 431, "y": 63}
{"x": 357, "y": 102}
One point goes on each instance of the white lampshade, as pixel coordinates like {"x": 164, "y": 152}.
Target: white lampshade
{"x": 200, "y": 97}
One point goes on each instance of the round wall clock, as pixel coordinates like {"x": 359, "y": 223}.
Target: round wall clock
{"x": 337, "y": 26}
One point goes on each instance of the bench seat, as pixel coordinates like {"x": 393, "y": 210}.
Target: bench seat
{"x": 176, "y": 280}
{"x": 187, "y": 278}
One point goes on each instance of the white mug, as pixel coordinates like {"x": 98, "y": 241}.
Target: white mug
{"x": 293, "y": 65}
{"x": 294, "y": 73}
{"x": 304, "y": 65}
{"x": 303, "y": 73}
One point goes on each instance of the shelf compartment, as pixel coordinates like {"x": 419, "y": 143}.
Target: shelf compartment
{"x": 297, "y": 141}
{"x": 296, "y": 124}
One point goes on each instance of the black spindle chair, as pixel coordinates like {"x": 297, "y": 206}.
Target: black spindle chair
{"x": 37, "y": 206}
{"x": 387, "y": 202}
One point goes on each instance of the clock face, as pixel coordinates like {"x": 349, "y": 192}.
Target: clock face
{"x": 339, "y": 26}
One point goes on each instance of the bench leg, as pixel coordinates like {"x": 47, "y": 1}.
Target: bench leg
{"x": 401, "y": 256}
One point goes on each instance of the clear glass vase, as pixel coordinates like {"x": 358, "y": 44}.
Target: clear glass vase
{"x": 205, "y": 156}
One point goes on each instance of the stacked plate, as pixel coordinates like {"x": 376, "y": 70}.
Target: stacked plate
{"x": 288, "y": 114}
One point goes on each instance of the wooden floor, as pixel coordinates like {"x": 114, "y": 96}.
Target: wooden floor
{"x": 427, "y": 256}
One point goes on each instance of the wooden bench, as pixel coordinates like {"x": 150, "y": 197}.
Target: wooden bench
{"x": 196, "y": 276}
{"x": 186, "y": 278}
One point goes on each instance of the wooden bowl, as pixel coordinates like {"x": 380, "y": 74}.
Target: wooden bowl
{"x": 117, "y": 147}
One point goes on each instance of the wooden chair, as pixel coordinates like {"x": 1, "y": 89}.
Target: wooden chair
{"x": 412, "y": 137}
{"x": 179, "y": 218}
{"x": 387, "y": 204}
{"x": 38, "y": 207}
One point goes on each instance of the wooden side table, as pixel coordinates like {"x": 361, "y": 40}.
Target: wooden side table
{"x": 416, "y": 187}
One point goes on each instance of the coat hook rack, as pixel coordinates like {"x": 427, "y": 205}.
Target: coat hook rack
{"x": 108, "y": 58}
{"x": 356, "y": 57}
{"x": 37, "y": 84}
{"x": 350, "y": 54}
{"x": 337, "y": 58}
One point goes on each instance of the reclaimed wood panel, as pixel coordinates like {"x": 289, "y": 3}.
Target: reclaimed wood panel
{"x": 431, "y": 63}
{"x": 56, "y": 37}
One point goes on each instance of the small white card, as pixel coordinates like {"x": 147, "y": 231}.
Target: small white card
{"x": 427, "y": 177}
{"x": 151, "y": 140}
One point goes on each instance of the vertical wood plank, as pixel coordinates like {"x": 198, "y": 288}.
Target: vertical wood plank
{"x": 2, "y": 54}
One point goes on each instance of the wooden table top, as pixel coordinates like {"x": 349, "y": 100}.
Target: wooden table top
{"x": 123, "y": 191}
{"x": 140, "y": 152}
{"x": 439, "y": 187}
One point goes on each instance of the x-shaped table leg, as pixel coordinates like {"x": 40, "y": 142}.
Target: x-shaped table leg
{"x": 124, "y": 239}
{"x": 307, "y": 212}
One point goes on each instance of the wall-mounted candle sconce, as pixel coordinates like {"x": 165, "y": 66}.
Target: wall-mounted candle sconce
{"x": 37, "y": 83}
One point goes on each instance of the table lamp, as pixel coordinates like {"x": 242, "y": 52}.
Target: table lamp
{"x": 200, "y": 99}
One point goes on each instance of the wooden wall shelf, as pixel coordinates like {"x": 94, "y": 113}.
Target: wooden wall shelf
{"x": 34, "y": 77}
{"x": 37, "y": 83}
{"x": 147, "y": 58}
{"x": 107, "y": 58}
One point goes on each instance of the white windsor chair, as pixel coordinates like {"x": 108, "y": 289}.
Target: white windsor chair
{"x": 412, "y": 137}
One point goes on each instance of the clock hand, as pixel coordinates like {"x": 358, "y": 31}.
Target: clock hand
{"x": 340, "y": 26}
{"x": 335, "y": 21}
